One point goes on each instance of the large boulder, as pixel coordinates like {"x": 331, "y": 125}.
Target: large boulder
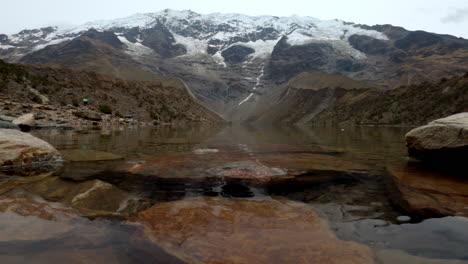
{"x": 443, "y": 140}
{"x": 24, "y": 154}
{"x": 220, "y": 230}
{"x": 88, "y": 115}
{"x": 25, "y": 122}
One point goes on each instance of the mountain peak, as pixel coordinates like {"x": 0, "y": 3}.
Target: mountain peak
{"x": 207, "y": 33}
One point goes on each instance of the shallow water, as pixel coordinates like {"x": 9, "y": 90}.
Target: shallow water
{"x": 340, "y": 172}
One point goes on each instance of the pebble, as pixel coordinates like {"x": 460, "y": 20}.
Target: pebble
{"x": 403, "y": 219}
{"x": 205, "y": 151}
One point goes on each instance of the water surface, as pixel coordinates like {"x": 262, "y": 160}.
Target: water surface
{"x": 341, "y": 174}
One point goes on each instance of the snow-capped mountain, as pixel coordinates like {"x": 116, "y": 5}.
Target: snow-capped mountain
{"x": 230, "y": 61}
{"x": 205, "y": 34}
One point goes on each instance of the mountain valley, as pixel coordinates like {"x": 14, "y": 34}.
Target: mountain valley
{"x": 237, "y": 65}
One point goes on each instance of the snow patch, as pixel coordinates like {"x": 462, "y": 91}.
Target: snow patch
{"x": 246, "y": 99}
{"x": 136, "y": 49}
{"x": 52, "y": 42}
{"x": 259, "y": 78}
{"x": 263, "y": 48}
{"x": 6, "y": 46}
{"x": 194, "y": 46}
{"x": 219, "y": 59}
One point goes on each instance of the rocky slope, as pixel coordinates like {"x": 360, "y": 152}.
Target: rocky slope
{"x": 308, "y": 99}
{"x": 230, "y": 61}
{"x": 58, "y": 90}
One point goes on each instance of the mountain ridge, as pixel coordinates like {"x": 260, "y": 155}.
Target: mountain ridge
{"x": 230, "y": 61}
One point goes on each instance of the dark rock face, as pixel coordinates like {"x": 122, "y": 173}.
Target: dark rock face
{"x": 369, "y": 45}
{"x": 268, "y": 33}
{"x": 161, "y": 40}
{"x": 132, "y": 34}
{"x": 212, "y": 50}
{"x": 107, "y": 37}
{"x": 288, "y": 61}
{"x": 236, "y": 54}
{"x": 58, "y": 52}
{"x": 3, "y": 38}
{"x": 390, "y": 31}
{"x": 418, "y": 39}
{"x": 347, "y": 65}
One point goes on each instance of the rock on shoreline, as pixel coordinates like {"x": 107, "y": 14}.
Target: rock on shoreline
{"x": 24, "y": 154}
{"x": 444, "y": 140}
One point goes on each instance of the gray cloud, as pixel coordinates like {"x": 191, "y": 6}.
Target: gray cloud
{"x": 457, "y": 16}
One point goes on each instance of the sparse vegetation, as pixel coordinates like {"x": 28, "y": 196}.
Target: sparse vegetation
{"x": 105, "y": 109}
{"x": 64, "y": 87}
{"x": 75, "y": 102}
{"x": 35, "y": 98}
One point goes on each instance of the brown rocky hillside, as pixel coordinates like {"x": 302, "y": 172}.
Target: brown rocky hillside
{"x": 166, "y": 101}
{"x": 314, "y": 99}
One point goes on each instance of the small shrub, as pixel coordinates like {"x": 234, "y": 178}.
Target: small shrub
{"x": 105, "y": 109}
{"x": 75, "y": 102}
{"x": 6, "y": 108}
{"x": 35, "y": 98}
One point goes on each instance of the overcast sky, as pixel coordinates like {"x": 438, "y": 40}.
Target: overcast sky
{"x": 448, "y": 16}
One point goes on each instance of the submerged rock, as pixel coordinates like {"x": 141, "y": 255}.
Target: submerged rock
{"x": 31, "y": 216}
{"x": 81, "y": 155}
{"x": 25, "y": 122}
{"x": 24, "y": 154}
{"x": 91, "y": 198}
{"x": 40, "y": 232}
{"x": 443, "y": 140}
{"x": 266, "y": 165}
{"x": 219, "y": 230}
{"x": 248, "y": 170}
{"x": 427, "y": 192}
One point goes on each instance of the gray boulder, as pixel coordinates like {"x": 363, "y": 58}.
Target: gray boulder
{"x": 444, "y": 139}
{"x": 25, "y": 122}
{"x": 8, "y": 125}
{"x": 7, "y": 118}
